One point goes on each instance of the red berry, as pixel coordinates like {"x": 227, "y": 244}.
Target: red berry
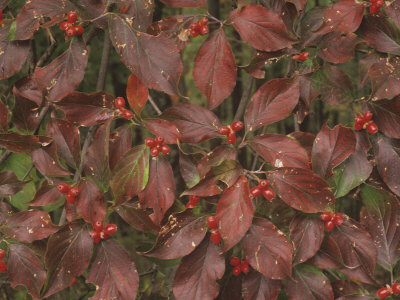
{"x": 190, "y": 205}
{"x": 160, "y": 140}
{"x": 64, "y": 25}
{"x": 195, "y": 27}
{"x": 194, "y": 199}
{"x": 203, "y": 21}
{"x": 74, "y": 191}
{"x": 225, "y": 130}
{"x": 255, "y": 191}
{"x": 396, "y": 288}
{"x": 72, "y": 16}
{"x": 358, "y": 126}
{"x": 231, "y": 138}
{"x": 326, "y": 216}
{"x": 204, "y": 30}
{"x": 95, "y": 236}
{"x": 126, "y": 113}
{"x": 296, "y": 57}
{"x": 304, "y": 56}
{"x": 237, "y": 126}
{"x": 367, "y": 116}
{"x": 193, "y": 33}
{"x": 372, "y": 128}
{"x": 2, "y": 253}
{"x": 78, "y": 29}
{"x": 150, "y": 142}
{"x": 110, "y": 229}
{"x": 338, "y": 219}
{"x": 98, "y": 226}
{"x": 63, "y": 188}
{"x": 359, "y": 119}
{"x": 119, "y": 102}
{"x": 3, "y": 266}
{"x": 268, "y": 194}
{"x": 383, "y": 293}
{"x": 263, "y": 184}
{"x": 373, "y": 9}
{"x": 237, "y": 270}
{"x": 212, "y": 222}
{"x": 70, "y": 198}
{"x": 216, "y": 237}
{"x": 154, "y": 151}
{"x": 70, "y": 32}
{"x": 235, "y": 261}
{"x": 73, "y": 281}
{"x": 245, "y": 268}
{"x": 105, "y": 236}
{"x": 245, "y": 261}
{"x": 165, "y": 149}
{"x": 329, "y": 225}
{"x": 379, "y": 3}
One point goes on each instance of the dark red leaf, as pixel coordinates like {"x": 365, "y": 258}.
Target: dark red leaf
{"x": 232, "y": 289}
{"x": 259, "y": 60}
{"x": 309, "y": 283}
{"x": 357, "y": 168}
{"x": 179, "y": 236}
{"x": 349, "y": 290}
{"x": 198, "y": 272}
{"x": 188, "y": 168}
{"x": 387, "y": 116}
{"x": 131, "y": 174}
{"x": 70, "y": 212}
{"x": 88, "y": 109}
{"x": 27, "y": 88}
{"x": 302, "y": 189}
{"x": 25, "y": 114}
{"x": 380, "y": 217}
{"x": 387, "y": 155}
{"x": 46, "y": 161}
{"x": 30, "y": 225}
{"x": 258, "y": 287}
{"x": 280, "y": 151}
{"x": 46, "y": 194}
{"x": 307, "y": 94}
{"x": 67, "y": 138}
{"x": 25, "y": 268}
{"x": 331, "y": 147}
{"x": 392, "y": 9}
{"x": 140, "y": 11}
{"x": 95, "y": 9}
{"x": 195, "y": 123}
{"x": 90, "y": 203}
{"x": 163, "y": 71}
{"x": 305, "y": 139}
{"x": 159, "y": 193}
{"x": 137, "y": 217}
{"x": 306, "y": 235}
{"x": 67, "y": 256}
{"x": 166, "y": 129}
{"x": 136, "y": 93}
{"x": 262, "y": 28}
{"x": 10, "y": 184}
{"x": 235, "y": 213}
{"x": 337, "y": 48}
{"x": 268, "y": 250}
{"x": 3, "y": 117}
{"x": 120, "y": 143}
{"x": 113, "y": 273}
{"x": 215, "y": 158}
{"x": 185, "y": 3}
{"x": 385, "y": 78}
{"x": 55, "y": 79}
{"x": 309, "y": 23}
{"x": 214, "y": 70}
{"x": 19, "y": 143}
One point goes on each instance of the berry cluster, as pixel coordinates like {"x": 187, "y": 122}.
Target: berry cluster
{"x": 376, "y": 6}
{"x": 213, "y": 224}
{"x": 230, "y": 130}
{"x": 364, "y": 122}
{"x": 331, "y": 219}
{"x": 193, "y": 200}
{"x": 303, "y": 56}
{"x": 71, "y": 192}
{"x": 199, "y": 28}
{"x": 120, "y": 105}
{"x": 385, "y": 292}
{"x": 239, "y": 266}
{"x": 99, "y": 233}
{"x": 264, "y": 189}
{"x": 157, "y": 145}
{"x": 3, "y": 266}
{"x": 69, "y": 27}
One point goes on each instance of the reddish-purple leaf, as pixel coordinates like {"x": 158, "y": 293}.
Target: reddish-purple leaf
{"x": 188, "y": 168}
{"x": 331, "y": 147}
{"x": 307, "y": 94}
{"x": 88, "y": 109}
{"x": 385, "y": 78}
{"x": 120, "y": 143}
{"x": 159, "y": 193}
{"x": 25, "y": 114}
{"x": 235, "y": 213}
{"x": 214, "y": 70}
{"x": 268, "y": 250}
{"x": 19, "y": 143}
{"x": 387, "y": 155}
{"x": 309, "y": 283}
{"x": 185, "y": 3}
{"x": 67, "y": 256}
{"x": 166, "y": 129}
{"x": 136, "y": 93}
{"x": 309, "y": 23}
{"x": 70, "y": 212}
{"x": 131, "y": 174}
{"x": 306, "y": 235}
{"x": 141, "y": 12}
{"x": 3, "y": 117}
{"x": 258, "y": 287}
{"x": 30, "y": 225}
{"x": 302, "y": 189}
{"x": 179, "y": 236}
{"x": 113, "y": 273}
{"x": 90, "y": 203}
{"x": 262, "y": 28}
{"x": 55, "y": 79}
{"x": 137, "y": 217}
{"x": 387, "y": 116}
{"x": 198, "y": 272}
{"x": 195, "y": 123}
{"x": 28, "y": 89}
{"x": 10, "y": 184}
{"x": 305, "y": 139}
{"x": 46, "y": 194}
{"x": 215, "y": 158}
{"x": 280, "y": 151}
{"x": 380, "y": 217}
{"x": 357, "y": 168}
{"x": 392, "y": 9}
{"x": 349, "y": 290}
{"x": 46, "y": 161}
{"x": 338, "y": 49}
{"x": 232, "y": 289}
{"x": 67, "y": 138}
{"x": 25, "y": 268}
{"x": 162, "y": 71}
{"x": 273, "y": 102}
{"x": 259, "y": 60}
{"x": 95, "y": 9}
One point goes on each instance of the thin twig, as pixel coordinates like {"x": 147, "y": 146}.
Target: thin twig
{"x": 90, "y": 35}
{"x": 49, "y": 51}
{"x": 104, "y": 63}
{"x": 27, "y": 173}
{"x": 5, "y": 155}
{"x": 245, "y": 97}
{"x": 154, "y": 105}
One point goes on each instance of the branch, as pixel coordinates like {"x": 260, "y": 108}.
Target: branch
{"x": 154, "y": 105}
{"x": 245, "y": 98}
{"x": 49, "y": 51}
